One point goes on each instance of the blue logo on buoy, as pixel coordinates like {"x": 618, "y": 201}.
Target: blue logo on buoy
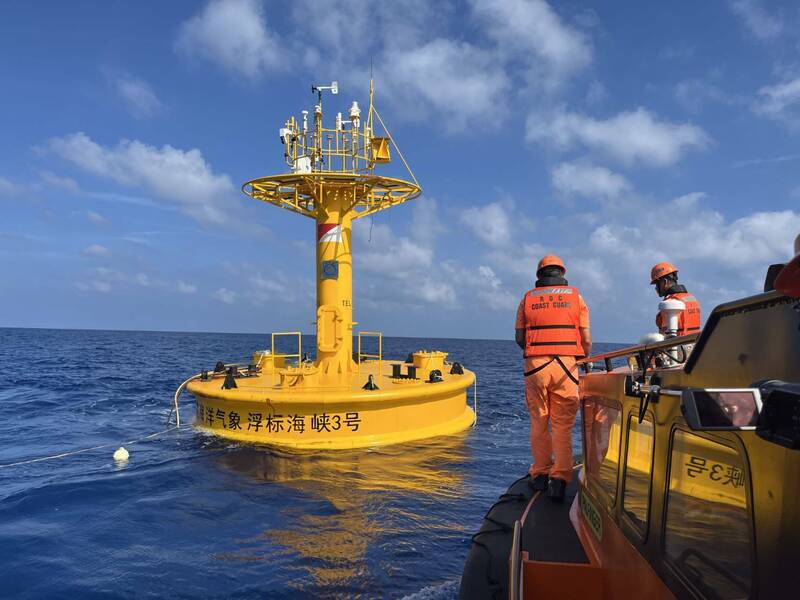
{"x": 330, "y": 269}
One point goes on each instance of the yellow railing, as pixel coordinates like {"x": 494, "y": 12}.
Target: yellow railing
{"x": 378, "y": 356}
{"x": 333, "y": 150}
{"x": 299, "y": 354}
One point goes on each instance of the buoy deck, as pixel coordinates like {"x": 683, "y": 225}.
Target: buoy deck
{"x": 263, "y": 410}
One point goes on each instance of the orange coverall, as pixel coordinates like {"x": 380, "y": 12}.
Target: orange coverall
{"x": 552, "y": 400}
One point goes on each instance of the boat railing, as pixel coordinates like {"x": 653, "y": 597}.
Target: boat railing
{"x": 641, "y": 350}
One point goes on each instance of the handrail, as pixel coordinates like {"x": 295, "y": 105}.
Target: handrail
{"x": 631, "y": 350}
{"x": 379, "y": 355}
{"x": 299, "y": 354}
{"x": 700, "y": 337}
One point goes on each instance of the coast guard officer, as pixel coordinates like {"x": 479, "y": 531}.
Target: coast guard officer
{"x": 552, "y": 329}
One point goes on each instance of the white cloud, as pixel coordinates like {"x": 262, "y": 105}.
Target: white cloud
{"x": 706, "y": 237}
{"x": 592, "y": 272}
{"x": 94, "y": 285}
{"x": 96, "y": 218}
{"x": 681, "y": 50}
{"x": 589, "y": 181}
{"x": 780, "y": 102}
{"x": 457, "y": 81}
{"x": 233, "y": 34}
{"x": 757, "y": 19}
{"x": 392, "y": 261}
{"x": 491, "y": 290}
{"x": 750, "y": 162}
{"x": 519, "y": 260}
{"x": 181, "y": 177}
{"x": 490, "y": 223}
{"x": 96, "y": 250}
{"x": 597, "y": 93}
{"x": 631, "y": 137}
{"x": 105, "y": 279}
{"x": 525, "y": 30}
{"x": 328, "y": 50}
{"x": 609, "y": 257}
{"x": 757, "y": 239}
{"x": 403, "y": 272}
{"x": 9, "y": 188}
{"x": 138, "y": 96}
{"x": 269, "y": 289}
{"x": 142, "y": 279}
{"x": 186, "y": 288}
{"x": 693, "y": 94}
{"x": 225, "y": 295}
{"x": 424, "y": 65}
{"x": 275, "y": 287}
{"x": 688, "y": 202}
{"x": 66, "y": 184}
{"x": 436, "y": 291}
{"x": 389, "y": 254}
{"x": 425, "y": 223}
{"x": 102, "y": 279}
{"x": 421, "y": 70}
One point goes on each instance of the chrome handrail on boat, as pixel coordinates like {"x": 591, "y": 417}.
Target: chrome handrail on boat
{"x": 632, "y": 350}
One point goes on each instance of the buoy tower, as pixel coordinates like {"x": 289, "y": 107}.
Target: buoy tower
{"x": 341, "y": 398}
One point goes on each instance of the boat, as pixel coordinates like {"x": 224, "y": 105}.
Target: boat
{"x": 335, "y": 398}
{"x": 689, "y": 485}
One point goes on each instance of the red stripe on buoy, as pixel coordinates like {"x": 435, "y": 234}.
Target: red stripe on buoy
{"x": 324, "y": 228}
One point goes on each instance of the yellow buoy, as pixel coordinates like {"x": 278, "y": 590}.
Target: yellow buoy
{"x": 121, "y": 454}
{"x": 341, "y": 399}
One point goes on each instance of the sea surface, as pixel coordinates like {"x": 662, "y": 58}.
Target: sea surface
{"x": 192, "y": 516}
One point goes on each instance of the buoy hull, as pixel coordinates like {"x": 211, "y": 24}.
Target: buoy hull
{"x": 401, "y": 410}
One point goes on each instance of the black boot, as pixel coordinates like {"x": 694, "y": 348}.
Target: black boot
{"x": 556, "y": 489}
{"x": 539, "y": 483}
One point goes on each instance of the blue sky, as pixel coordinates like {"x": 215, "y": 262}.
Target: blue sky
{"x": 615, "y": 136}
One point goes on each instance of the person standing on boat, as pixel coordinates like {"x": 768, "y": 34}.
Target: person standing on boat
{"x": 552, "y": 329}
{"x": 664, "y": 276}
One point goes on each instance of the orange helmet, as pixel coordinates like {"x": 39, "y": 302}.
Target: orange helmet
{"x": 550, "y": 260}
{"x": 660, "y": 270}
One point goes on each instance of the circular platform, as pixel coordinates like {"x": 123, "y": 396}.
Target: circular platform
{"x": 301, "y": 192}
{"x": 260, "y": 410}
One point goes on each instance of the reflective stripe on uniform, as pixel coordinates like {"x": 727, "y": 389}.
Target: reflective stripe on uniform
{"x": 550, "y": 290}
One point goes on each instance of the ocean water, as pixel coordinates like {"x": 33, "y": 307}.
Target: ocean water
{"x": 191, "y": 516}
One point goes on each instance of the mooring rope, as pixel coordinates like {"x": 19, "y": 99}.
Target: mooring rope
{"x": 81, "y": 451}
{"x": 175, "y": 406}
{"x": 174, "y": 409}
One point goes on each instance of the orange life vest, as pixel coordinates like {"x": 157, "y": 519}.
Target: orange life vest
{"x": 689, "y": 320}
{"x": 552, "y": 319}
